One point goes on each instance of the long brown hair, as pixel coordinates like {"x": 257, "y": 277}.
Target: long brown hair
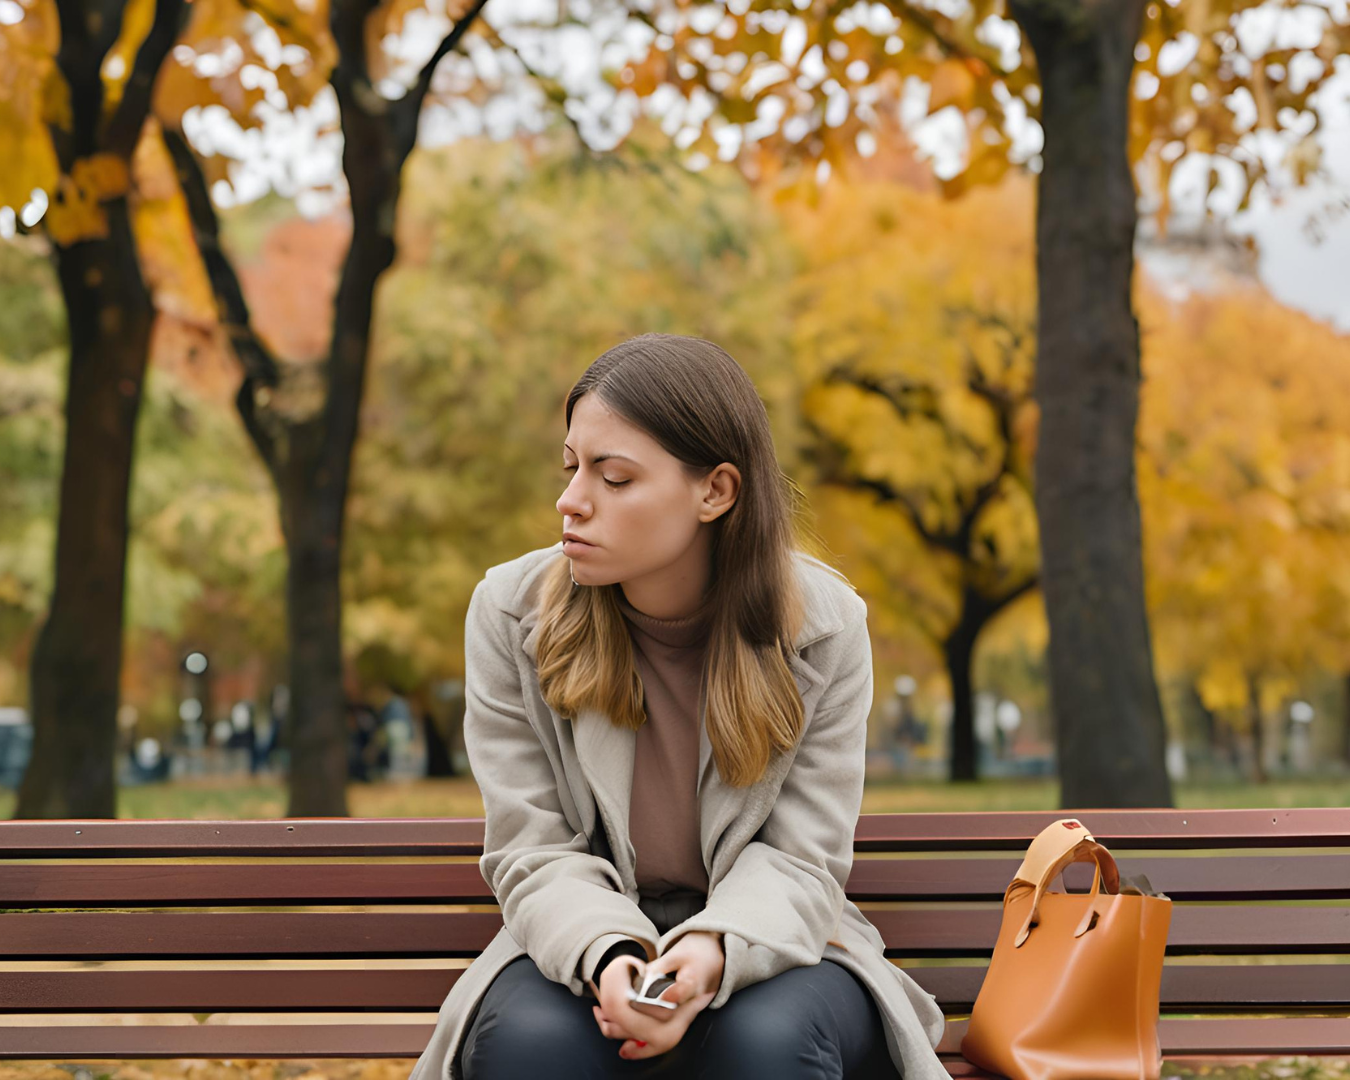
{"x": 701, "y": 406}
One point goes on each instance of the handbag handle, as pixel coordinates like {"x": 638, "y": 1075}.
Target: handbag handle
{"x": 1058, "y": 845}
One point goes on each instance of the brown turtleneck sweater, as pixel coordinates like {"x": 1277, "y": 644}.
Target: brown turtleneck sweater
{"x": 663, "y": 812}
{"x": 663, "y": 821}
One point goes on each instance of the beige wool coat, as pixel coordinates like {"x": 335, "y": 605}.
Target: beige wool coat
{"x": 557, "y": 853}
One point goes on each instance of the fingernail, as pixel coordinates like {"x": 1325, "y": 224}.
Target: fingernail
{"x": 639, "y": 1042}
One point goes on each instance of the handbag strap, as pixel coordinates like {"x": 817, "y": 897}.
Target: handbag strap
{"x": 1058, "y": 845}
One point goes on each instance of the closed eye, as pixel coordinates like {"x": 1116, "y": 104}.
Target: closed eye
{"x": 607, "y": 480}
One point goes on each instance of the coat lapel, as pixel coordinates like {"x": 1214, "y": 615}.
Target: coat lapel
{"x": 728, "y": 816}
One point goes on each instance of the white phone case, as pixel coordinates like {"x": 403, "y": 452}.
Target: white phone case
{"x": 640, "y": 994}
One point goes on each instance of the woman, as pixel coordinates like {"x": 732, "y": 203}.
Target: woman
{"x": 666, "y": 713}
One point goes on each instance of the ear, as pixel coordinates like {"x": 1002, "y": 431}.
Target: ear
{"x": 724, "y": 485}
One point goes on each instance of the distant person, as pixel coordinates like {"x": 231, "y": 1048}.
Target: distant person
{"x": 362, "y": 727}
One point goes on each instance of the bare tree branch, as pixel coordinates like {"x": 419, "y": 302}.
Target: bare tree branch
{"x": 88, "y": 31}
{"x": 552, "y": 90}
{"x": 832, "y": 474}
{"x": 347, "y": 24}
{"x": 448, "y": 43}
{"x": 907, "y": 398}
{"x": 293, "y": 28}
{"x": 260, "y": 366}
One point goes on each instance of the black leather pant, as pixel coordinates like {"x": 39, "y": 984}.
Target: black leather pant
{"x": 806, "y": 1023}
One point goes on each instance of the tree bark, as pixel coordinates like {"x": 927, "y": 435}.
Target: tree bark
{"x": 77, "y": 658}
{"x": 1109, "y": 728}
{"x": 318, "y": 461}
{"x": 958, "y": 651}
{"x": 311, "y": 514}
{"x": 76, "y": 666}
{"x": 1257, "y": 734}
{"x": 1345, "y": 719}
{"x": 309, "y": 457}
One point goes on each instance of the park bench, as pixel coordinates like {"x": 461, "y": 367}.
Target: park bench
{"x": 172, "y": 920}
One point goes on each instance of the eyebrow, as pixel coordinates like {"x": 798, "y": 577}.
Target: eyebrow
{"x": 603, "y": 457}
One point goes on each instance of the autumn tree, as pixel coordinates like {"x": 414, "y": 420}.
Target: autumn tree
{"x": 1245, "y": 484}
{"x": 914, "y": 340}
{"x": 796, "y": 92}
{"x": 203, "y": 557}
{"x": 303, "y": 417}
{"x": 79, "y": 77}
{"x": 86, "y": 82}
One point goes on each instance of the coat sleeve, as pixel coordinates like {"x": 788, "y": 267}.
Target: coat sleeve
{"x": 557, "y": 899}
{"x": 781, "y": 901}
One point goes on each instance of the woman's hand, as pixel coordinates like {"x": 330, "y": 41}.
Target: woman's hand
{"x": 696, "y": 960}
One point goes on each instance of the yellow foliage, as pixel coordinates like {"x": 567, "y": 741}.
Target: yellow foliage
{"x": 1222, "y": 684}
{"x": 229, "y": 25}
{"x": 1244, "y": 437}
{"x": 30, "y": 95}
{"x": 137, "y": 17}
{"x": 908, "y": 307}
{"x": 1244, "y": 481}
{"x": 952, "y": 83}
{"x": 55, "y": 99}
{"x": 170, "y": 262}
{"x": 76, "y": 211}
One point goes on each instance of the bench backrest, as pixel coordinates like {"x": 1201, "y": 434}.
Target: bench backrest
{"x": 341, "y": 937}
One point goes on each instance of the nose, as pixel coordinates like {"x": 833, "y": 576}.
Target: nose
{"x": 569, "y": 505}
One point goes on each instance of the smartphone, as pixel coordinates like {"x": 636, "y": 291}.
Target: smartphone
{"x": 654, "y": 984}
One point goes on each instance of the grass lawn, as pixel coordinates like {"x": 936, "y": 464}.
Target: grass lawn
{"x": 244, "y": 798}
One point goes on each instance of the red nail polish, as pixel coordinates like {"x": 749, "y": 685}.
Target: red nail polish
{"x": 639, "y": 1042}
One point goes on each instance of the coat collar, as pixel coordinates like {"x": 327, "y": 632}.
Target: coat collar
{"x": 605, "y": 751}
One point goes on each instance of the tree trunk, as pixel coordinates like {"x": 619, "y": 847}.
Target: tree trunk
{"x": 1209, "y": 723}
{"x": 958, "y": 650}
{"x": 311, "y": 513}
{"x": 1258, "y": 735}
{"x": 1345, "y": 720}
{"x": 75, "y": 670}
{"x": 1108, "y": 717}
{"x": 77, "y": 658}
{"x": 319, "y": 463}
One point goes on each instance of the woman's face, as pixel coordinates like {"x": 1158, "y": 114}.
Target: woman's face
{"x": 641, "y": 517}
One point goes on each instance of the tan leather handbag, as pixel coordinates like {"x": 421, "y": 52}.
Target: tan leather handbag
{"x": 1072, "y": 987}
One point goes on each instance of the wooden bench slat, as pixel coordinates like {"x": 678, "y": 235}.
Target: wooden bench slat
{"x": 1184, "y": 987}
{"x": 1312, "y": 1035}
{"x": 1195, "y": 929}
{"x": 262, "y": 1041}
{"x": 92, "y": 884}
{"x": 295, "y": 837}
{"x": 952, "y": 831}
{"x": 1266, "y": 1037}
{"x": 97, "y": 935}
{"x": 1246, "y": 878}
{"x": 1165, "y": 828}
{"x": 349, "y": 990}
{"x": 917, "y": 932}
{"x": 181, "y": 884}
